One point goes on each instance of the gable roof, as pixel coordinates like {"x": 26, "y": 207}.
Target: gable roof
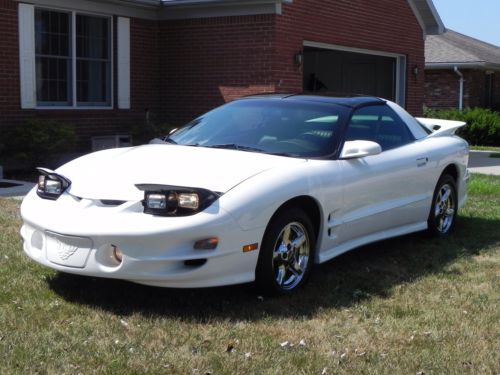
{"x": 454, "y": 49}
{"x": 427, "y": 16}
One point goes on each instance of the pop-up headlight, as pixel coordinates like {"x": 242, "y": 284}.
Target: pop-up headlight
{"x": 164, "y": 200}
{"x": 50, "y": 184}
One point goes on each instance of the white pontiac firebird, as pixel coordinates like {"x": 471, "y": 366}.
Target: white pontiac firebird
{"x": 256, "y": 190}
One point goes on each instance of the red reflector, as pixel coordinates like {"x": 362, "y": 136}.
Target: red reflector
{"x": 251, "y": 247}
{"x": 206, "y": 244}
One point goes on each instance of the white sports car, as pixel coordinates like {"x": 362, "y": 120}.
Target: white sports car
{"x": 255, "y": 190}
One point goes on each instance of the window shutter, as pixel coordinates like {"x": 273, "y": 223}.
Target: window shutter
{"x": 27, "y": 55}
{"x": 123, "y": 63}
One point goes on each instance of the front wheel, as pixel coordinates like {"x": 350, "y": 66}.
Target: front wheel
{"x": 444, "y": 207}
{"x": 287, "y": 253}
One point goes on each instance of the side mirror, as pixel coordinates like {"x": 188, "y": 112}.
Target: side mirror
{"x": 359, "y": 149}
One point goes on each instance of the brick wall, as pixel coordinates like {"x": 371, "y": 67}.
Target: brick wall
{"x": 384, "y": 25}
{"x": 496, "y": 91}
{"x": 206, "y": 62}
{"x": 442, "y": 89}
{"x": 144, "y": 83}
{"x": 9, "y": 65}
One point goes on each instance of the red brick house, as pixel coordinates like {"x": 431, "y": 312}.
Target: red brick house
{"x": 103, "y": 65}
{"x": 461, "y": 72}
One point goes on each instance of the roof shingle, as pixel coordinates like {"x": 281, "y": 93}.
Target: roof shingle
{"x": 455, "y": 48}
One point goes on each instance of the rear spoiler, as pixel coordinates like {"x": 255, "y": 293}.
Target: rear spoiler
{"x": 440, "y": 127}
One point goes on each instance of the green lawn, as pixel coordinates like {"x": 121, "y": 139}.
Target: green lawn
{"x": 402, "y": 306}
{"x": 485, "y": 148}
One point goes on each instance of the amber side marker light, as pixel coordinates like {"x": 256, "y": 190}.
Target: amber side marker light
{"x": 251, "y": 247}
{"x": 206, "y": 244}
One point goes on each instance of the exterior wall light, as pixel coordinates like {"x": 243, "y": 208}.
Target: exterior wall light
{"x": 299, "y": 58}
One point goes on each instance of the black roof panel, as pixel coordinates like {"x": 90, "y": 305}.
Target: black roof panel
{"x": 348, "y": 101}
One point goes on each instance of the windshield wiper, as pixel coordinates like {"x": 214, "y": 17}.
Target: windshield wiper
{"x": 234, "y": 146}
{"x": 169, "y": 140}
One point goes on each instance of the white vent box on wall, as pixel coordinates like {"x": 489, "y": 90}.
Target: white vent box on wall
{"x": 111, "y": 141}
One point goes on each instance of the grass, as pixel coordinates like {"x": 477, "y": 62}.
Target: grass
{"x": 485, "y": 148}
{"x": 402, "y": 306}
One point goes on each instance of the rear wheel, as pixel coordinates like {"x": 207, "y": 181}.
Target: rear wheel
{"x": 444, "y": 207}
{"x": 287, "y": 253}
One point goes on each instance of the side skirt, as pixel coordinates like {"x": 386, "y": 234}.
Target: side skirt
{"x": 342, "y": 248}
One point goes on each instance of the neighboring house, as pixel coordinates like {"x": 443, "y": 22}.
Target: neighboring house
{"x": 103, "y": 65}
{"x": 461, "y": 72}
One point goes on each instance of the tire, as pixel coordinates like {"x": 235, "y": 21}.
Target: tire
{"x": 444, "y": 208}
{"x": 287, "y": 253}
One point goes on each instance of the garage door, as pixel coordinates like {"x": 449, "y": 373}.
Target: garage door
{"x": 350, "y": 73}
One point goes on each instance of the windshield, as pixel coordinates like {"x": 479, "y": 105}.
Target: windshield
{"x": 281, "y": 127}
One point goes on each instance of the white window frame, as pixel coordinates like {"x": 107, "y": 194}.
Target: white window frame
{"x": 401, "y": 64}
{"x": 73, "y": 61}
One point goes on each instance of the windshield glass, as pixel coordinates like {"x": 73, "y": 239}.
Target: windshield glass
{"x": 282, "y": 127}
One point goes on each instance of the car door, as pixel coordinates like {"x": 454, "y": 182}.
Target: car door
{"x": 384, "y": 194}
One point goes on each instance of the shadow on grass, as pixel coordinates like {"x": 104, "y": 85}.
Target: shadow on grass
{"x": 371, "y": 270}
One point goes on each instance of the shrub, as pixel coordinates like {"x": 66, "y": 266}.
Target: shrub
{"x": 143, "y": 133}
{"x": 483, "y": 125}
{"x": 37, "y": 141}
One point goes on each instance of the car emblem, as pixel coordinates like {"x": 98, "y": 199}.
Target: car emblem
{"x": 65, "y": 250}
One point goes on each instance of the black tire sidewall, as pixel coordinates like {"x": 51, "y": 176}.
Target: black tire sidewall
{"x": 432, "y": 224}
{"x": 264, "y": 274}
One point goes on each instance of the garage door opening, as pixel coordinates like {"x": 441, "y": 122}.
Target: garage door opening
{"x": 348, "y": 72}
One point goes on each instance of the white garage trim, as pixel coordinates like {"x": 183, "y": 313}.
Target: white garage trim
{"x": 400, "y": 74}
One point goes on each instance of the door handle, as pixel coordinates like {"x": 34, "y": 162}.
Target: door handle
{"x": 421, "y": 162}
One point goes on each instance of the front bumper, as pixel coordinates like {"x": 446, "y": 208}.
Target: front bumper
{"x": 75, "y": 236}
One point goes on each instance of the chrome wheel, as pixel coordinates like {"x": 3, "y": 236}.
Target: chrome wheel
{"x": 444, "y": 208}
{"x": 291, "y": 253}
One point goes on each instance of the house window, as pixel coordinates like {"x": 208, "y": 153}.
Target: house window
{"x": 73, "y": 59}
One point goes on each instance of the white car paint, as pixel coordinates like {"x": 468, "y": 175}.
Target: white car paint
{"x": 361, "y": 200}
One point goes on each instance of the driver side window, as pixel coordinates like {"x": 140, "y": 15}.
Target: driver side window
{"x": 378, "y": 124}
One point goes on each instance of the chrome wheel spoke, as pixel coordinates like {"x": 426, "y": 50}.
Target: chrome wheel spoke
{"x": 286, "y": 234}
{"x": 446, "y": 195}
{"x": 280, "y": 278}
{"x": 299, "y": 241}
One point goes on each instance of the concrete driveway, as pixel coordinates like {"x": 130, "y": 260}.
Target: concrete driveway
{"x": 481, "y": 162}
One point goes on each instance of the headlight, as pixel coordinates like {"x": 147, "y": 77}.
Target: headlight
{"x": 164, "y": 200}
{"x": 50, "y": 184}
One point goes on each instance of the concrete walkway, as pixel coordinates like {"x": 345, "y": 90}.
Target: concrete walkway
{"x": 18, "y": 191}
{"x": 480, "y": 162}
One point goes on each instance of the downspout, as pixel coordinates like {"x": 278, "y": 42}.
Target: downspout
{"x": 461, "y": 94}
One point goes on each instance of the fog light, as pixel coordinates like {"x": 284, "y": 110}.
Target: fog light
{"x": 206, "y": 244}
{"x": 117, "y": 253}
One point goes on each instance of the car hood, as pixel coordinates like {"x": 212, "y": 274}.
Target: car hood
{"x": 113, "y": 174}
